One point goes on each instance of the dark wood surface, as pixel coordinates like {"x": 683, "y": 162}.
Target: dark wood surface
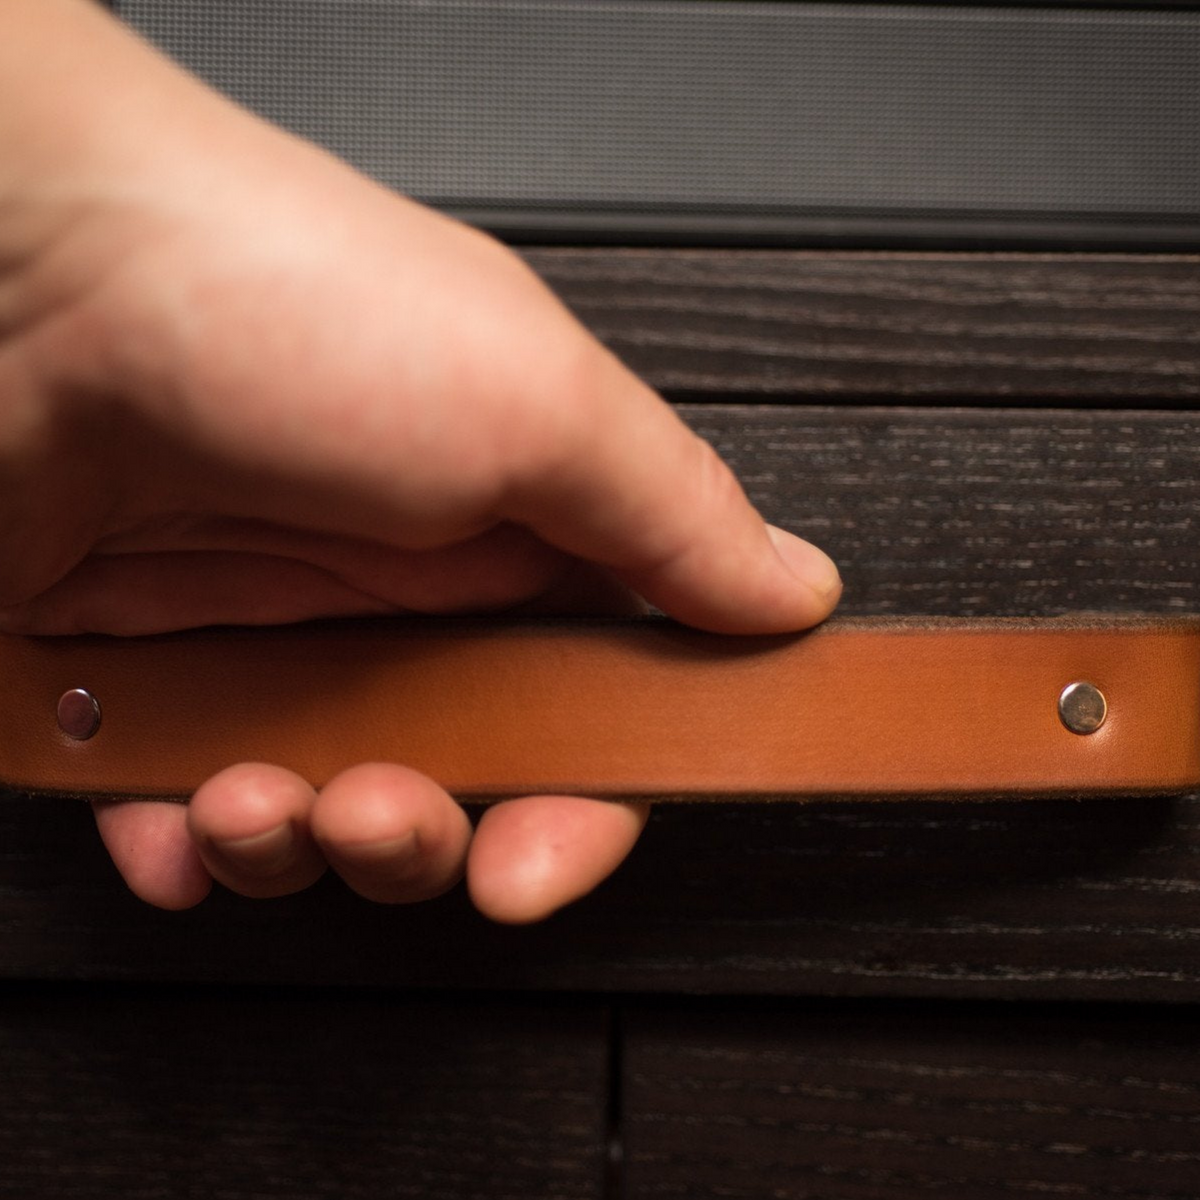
{"x": 901, "y": 1103}
{"x": 705, "y": 324}
{"x": 246, "y": 1094}
{"x": 980, "y": 511}
{"x": 1065, "y": 900}
{"x": 134, "y": 1095}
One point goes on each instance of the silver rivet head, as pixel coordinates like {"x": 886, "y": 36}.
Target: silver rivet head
{"x": 1082, "y": 707}
{"x": 78, "y": 714}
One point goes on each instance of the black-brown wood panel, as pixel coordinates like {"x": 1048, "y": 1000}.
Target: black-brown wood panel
{"x": 1072, "y": 900}
{"x": 709, "y": 324}
{"x": 138, "y": 1094}
{"x": 800, "y": 1103}
{"x": 980, "y": 511}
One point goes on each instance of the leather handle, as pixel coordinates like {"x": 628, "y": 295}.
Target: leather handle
{"x": 618, "y": 708}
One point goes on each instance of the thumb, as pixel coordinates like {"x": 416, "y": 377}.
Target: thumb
{"x": 625, "y": 483}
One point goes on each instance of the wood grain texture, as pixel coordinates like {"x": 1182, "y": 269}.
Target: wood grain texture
{"x": 981, "y": 512}
{"x": 1013, "y": 328}
{"x": 1063, "y": 900}
{"x": 971, "y": 512}
{"x": 895, "y": 1105}
{"x": 133, "y": 1095}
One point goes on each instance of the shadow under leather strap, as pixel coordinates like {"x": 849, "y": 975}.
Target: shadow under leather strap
{"x": 643, "y": 708}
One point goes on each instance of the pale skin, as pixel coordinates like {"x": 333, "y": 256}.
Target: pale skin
{"x": 241, "y": 384}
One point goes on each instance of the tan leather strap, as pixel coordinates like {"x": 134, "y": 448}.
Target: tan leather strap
{"x": 855, "y": 708}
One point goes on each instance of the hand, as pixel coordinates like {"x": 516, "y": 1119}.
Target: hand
{"x": 242, "y": 384}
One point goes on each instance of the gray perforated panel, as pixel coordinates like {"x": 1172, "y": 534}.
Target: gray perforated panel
{"x": 730, "y": 119}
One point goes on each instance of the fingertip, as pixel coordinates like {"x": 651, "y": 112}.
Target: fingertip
{"x": 391, "y": 833}
{"x": 246, "y": 800}
{"x": 759, "y": 580}
{"x": 533, "y": 856}
{"x": 151, "y": 847}
{"x": 250, "y": 825}
{"x": 812, "y": 569}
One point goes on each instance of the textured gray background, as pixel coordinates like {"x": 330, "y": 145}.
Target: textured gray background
{"x": 759, "y": 113}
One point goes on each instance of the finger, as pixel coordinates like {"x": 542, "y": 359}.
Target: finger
{"x": 534, "y": 855}
{"x": 150, "y": 846}
{"x": 391, "y": 833}
{"x": 250, "y": 825}
{"x": 305, "y": 576}
{"x": 624, "y": 482}
{"x": 139, "y": 594}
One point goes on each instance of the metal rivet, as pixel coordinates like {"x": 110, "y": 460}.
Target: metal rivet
{"x": 1082, "y": 707}
{"x": 78, "y": 714}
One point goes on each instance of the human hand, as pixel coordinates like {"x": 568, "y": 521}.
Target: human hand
{"x": 241, "y": 384}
